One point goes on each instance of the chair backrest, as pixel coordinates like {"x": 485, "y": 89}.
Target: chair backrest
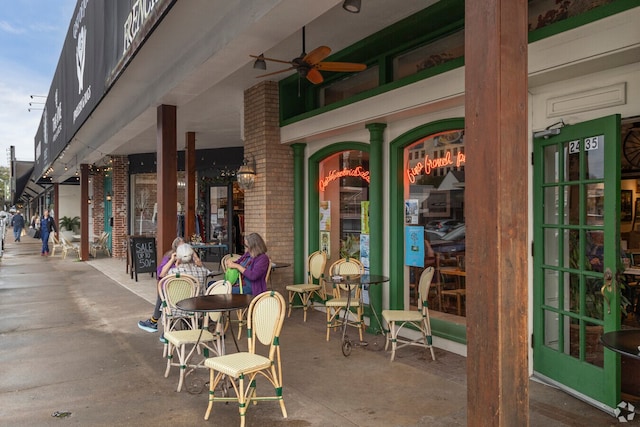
{"x": 317, "y": 261}
{"x": 264, "y": 323}
{"x": 219, "y": 287}
{"x": 268, "y": 276}
{"x": 176, "y": 287}
{"x": 424, "y": 285}
{"x": 223, "y": 261}
{"x": 342, "y": 267}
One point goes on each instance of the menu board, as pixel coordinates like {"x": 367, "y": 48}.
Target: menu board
{"x": 143, "y": 253}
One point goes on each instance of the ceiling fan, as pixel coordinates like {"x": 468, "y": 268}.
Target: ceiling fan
{"x": 310, "y": 64}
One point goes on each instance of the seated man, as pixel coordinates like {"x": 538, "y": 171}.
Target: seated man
{"x": 188, "y": 263}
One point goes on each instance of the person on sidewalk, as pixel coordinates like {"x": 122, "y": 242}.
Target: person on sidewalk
{"x": 187, "y": 262}
{"x": 253, "y": 266}
{"x": 18, "y": 224}
{"x": 151, "y": 324}
{"x": 47, "y": 225}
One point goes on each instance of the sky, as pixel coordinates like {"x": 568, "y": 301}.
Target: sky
{"x": 32, "y": 33}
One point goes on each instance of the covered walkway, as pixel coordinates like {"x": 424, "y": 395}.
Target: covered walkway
{"x": 70, "y": 344}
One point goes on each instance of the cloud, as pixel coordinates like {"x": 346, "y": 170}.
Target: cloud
{"x": 8, "y": 28}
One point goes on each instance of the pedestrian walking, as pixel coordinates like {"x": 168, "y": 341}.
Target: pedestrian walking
{"x": 47, "y": 225}
{"x": 18, "y": 224}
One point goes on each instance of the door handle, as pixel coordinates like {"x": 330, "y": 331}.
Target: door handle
{"x": 608, "y": 284}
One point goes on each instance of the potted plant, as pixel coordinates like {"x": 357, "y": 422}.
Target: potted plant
{"x": 69, "y": 226}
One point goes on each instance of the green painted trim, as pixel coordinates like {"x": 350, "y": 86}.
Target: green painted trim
{"x": 582, "y": 19}
{"x": 299, "y": 98}
{"x": 299, "y": 259}
{"x": 376, "y": 206}
{"x": 440, "y": 328}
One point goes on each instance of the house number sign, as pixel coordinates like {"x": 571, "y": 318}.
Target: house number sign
{"x": 590, "y": 143}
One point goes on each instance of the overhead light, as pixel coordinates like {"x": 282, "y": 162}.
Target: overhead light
{"x": 352, "y": 6}
{"x": 260, "y": 63}
{"x": 246, "y": 174}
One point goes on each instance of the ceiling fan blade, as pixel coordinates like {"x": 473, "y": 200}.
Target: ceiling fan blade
{"x": 317, "y": 55}
{"x": 340, "y": 66}
{"x": 314, "y": 76}
{"x": 276, "y": 72}
{"x": 271, "y": 59}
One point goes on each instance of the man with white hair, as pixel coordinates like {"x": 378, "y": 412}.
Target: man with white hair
{"x": 186, "y": 263}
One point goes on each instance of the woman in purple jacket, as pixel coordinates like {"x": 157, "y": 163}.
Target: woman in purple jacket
{"x": 253, "y": 265}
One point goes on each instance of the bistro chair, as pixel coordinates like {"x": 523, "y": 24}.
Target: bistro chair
{"x": 224, "y": 259}
{"x": 55, "y": 243}
{"x": 338, "y": 303}
{"x": 397, "y": 319}
{"x": 100, "y": 245}
{"x": 68, "y": 247}
{"x": 173, "y": 288}
{"x": 207, "y": 340}
{"x": 264, "y": 322}
{"x": 305, "y": 291}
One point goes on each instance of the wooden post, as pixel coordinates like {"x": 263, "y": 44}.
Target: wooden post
{"x": 190, "y": 187}
{"x": 84, "y": 212}
{"x": 496, "y": 212}
{"x": 167, "y": 165}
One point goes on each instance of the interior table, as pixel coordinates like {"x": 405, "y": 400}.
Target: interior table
{"x": 458, "y": 293}
{"x": 361, "y": 280}
{"x": 625, "y": 342}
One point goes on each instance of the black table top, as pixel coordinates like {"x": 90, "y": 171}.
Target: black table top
{"x": 357, "y": 279}
{"x": 208, "y": 303}
{"x": 625, "y": 342}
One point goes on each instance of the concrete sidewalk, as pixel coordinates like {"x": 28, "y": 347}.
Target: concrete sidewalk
{"x": 70, "y": 343}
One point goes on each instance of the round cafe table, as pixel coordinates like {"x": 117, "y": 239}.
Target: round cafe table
{"x": 217, "y": 303}
{"x": 625, "y": 342}
{"x": 357, "y": 280}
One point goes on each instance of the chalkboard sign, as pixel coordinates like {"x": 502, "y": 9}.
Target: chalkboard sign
{"x": 143, "y": 253}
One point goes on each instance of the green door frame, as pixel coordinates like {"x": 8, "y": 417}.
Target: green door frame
{"x": 561, "y": 266}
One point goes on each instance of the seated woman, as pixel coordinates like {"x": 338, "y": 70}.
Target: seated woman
{"x": 253, "y": 266}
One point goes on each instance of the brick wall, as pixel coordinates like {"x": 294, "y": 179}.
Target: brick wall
{"x": 268, "y": 206}
{"x": 120, "y": 192}
{"x": 97, "y": 183}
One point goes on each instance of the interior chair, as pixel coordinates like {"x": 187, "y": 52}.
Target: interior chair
{"x": 338, "y": 303}
{"x": 397, "y": 319}
{"x": 264, "y": 323}
{"x": 314, "y": 285}
{"x": 101, "y": 244}
{"x": 55, "y": 243}
{"x": 173, "y": 288}
{"x": 68, "y": 247}
{"x": 205, "y": 339}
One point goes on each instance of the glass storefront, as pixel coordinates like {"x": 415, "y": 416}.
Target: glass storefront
{"x": 344, "y": 205}
{"x": 434, "y": 220}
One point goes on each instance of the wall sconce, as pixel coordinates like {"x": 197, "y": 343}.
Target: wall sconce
{"x": 89, "y": 200}
{"x": 108, "y": 197}
{"x": 247, "y": 173}
{"x": 260, "y": 63}
{"x": 352, "y": 6}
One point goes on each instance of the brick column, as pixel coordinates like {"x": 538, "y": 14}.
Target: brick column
{"x": 97, "y": 207}
{"x": 268, "y": 206}
{"x": 120, "y": 194}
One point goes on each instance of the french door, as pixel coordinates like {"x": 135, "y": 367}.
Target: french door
{"x": 576, "y": 256}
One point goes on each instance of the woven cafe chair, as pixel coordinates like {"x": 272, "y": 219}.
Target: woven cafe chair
{"x": 68, "y": 247}
{"x": 338, "y": 303}
{"x": 397, "y": 319}
{"x": 173, "y": 288}
{"x": 202, "y": 339}
{"x": 316, "y": 263}
{"x": 265, "y": 317}
{"x": 55, "y": 243}
{"x": 100, "y": 245}
{"x": 223, "y": 260}
{"x": 243, "y": 311}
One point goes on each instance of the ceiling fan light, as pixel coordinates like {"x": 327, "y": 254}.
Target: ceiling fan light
{"x": 260, "y": 63}
{"x": 352, "y": 6}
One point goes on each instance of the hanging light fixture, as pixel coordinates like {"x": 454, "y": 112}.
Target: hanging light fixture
{"x": 246, "y": 174}
{"x": 352, "y": 6}
{"x": 260, "y": 63}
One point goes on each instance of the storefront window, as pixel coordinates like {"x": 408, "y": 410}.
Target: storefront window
{"x": 144, "y": 202}
{"x": 434, "y": 181}
{"x": 344, "y": 205}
